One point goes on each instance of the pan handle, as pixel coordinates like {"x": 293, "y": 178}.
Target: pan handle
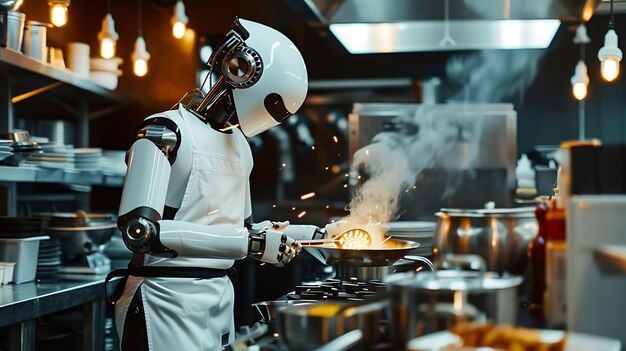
{"x": 420, "y": 259}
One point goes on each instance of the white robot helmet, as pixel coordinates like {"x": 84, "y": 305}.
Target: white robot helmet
{"x": 262, "y": 77}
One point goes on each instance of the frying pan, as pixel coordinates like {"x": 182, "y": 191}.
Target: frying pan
{"x": 330, "y": 253}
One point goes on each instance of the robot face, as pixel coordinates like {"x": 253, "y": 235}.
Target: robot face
{"x": 269, "y": 76}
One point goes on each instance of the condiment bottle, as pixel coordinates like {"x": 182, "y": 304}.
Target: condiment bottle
{"x": 556, "y": 253}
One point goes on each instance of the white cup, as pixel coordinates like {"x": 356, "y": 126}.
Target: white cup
{"x": 35, "y": 36}
{"x": 78, "y": 58}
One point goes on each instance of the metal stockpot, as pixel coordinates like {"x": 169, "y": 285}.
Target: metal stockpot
{"x": 432, "y": 301}
{"x": 308, "y": 327}
{"x": 500, "y": 236}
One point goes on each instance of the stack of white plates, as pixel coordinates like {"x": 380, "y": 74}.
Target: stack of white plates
{"x": 113, "y": 161}
{"x": 420, "y": 232}
{"x": 82, "y": 158}
{"x": 49, "y": 259}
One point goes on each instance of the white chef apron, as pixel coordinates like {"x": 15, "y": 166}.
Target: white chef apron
{"x": 190, "y": 313}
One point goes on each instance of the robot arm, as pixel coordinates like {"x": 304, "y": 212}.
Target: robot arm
{"x": 145, "y": 231}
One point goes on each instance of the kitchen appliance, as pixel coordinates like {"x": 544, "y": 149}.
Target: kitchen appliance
{"x": 432, "y": 301}
{"x": 500, "y": 236}
{"x": 460, "y": 155}
{"x": 83, "y": 237}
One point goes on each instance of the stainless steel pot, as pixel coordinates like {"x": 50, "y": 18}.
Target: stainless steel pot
{"x": 309, "y": 327}
{"x": 500, "y": 236}
{"x": 80, "y": 233}
{"x": 432, "y": 301}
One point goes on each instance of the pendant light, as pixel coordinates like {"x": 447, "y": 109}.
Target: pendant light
{"x": 108, "y": 36}
{"x": 610, "y": 55}
{"x": 58, "y": 12}
{"x": 580, "y": 79}
{"x": 179, "y": 20}
{"x": 140, "y": 56}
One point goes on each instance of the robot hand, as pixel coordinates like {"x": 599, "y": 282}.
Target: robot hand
{"x": 273, "y": 247}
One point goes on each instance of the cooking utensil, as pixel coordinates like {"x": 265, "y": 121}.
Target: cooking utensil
{"x": 308, "y": 327}
{"x": 332, "y": 254}
{"x": 501, "y": 236}
{"x": 432, "y": 301}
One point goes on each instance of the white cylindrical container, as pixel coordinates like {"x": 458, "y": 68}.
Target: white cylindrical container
{"x": 15, "y": 30}
{"x": 8, "y": 271}
{"x": 78, "y": 58}
{"x": 35, "y": 40}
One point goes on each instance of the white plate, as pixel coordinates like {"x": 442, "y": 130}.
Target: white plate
{"x": 575, "y": 342}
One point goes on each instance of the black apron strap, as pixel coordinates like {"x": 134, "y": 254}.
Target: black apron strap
{"x": 162, "y": 272}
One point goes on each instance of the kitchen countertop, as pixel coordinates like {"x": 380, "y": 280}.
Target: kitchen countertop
{"x": 20, "y": 302}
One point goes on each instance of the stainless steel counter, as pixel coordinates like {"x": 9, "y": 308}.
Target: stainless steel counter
{"x": 20, "y": 304}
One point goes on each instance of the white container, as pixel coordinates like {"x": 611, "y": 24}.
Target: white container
{"x": 9, "y": 268}
{"x": 105, "y": 65}
{"x": 106, "y": 79}
{"x": 15, "y": 30}
{"x": 78, "y": 58}
{"x": 24, "y": 253}
{"x": 35, "y": 40}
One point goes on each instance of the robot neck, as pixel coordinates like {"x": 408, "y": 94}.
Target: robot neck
{"x": 217, "y": 107}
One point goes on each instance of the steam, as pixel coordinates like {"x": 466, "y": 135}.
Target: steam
{"x": 446, "y": 137}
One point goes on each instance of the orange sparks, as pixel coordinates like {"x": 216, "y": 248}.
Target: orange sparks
{"x": 301, "y": 214}
{"x": 327, "y": 206}
{"x": 335, "y": 139}
{"x": 419, "y": 269}
{"x": 307, "y": 196}
{"x": 273, "y": 206}
{"x": 313, "y": 147}
{"x": 293, "y": 208}
{"x": 326, "y": 168}
{"x": 336, "y": 169}
{"x": 345, "y": 185}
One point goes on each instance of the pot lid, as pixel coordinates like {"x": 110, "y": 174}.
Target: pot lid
{"x": 488, "y": 212}
{"x": 454, "y": 280}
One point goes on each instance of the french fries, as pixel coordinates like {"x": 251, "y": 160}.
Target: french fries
{"x": 509, "y": 338}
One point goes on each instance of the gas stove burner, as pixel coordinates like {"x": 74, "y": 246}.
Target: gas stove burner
{"x": 335, "y": 289}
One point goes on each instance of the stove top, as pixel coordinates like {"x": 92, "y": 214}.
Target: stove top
{"x": 336, "y": 289}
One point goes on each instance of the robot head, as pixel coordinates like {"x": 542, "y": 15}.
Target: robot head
{"x": 264, "y": 74}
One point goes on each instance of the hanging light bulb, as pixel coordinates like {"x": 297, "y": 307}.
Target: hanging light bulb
{"x": 58, "y": 12}
{"x": 108, "y": 37}
{"x": 179, "y": 20}
{"x": 610, "y": 55}
{"x": 580, "y": 81}
{"x": 140, "y": 57}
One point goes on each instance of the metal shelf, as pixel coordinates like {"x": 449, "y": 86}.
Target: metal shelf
{"x": 32, "y": 73}
{"x": 59, "y": 176}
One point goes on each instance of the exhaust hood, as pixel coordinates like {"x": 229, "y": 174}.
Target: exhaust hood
{"x": 392, "y": 26}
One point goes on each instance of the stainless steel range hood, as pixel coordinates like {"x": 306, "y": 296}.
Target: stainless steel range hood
{"x": 388, "y": 26}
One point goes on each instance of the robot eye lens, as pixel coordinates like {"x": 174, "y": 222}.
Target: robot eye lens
{"x": 238, "y": 67}
{"x": 136, "y": 230}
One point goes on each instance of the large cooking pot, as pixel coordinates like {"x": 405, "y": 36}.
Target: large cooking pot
{"x": 432, "y": 301}
{"x": 501, "y": 236}
{"x": 309, "y": 327}
{"x": 80, "y": 233}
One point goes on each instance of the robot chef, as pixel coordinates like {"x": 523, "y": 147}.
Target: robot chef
{"x": 185, "y": 211}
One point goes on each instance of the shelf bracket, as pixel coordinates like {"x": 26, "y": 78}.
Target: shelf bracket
{"x": 35, "y": 92}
